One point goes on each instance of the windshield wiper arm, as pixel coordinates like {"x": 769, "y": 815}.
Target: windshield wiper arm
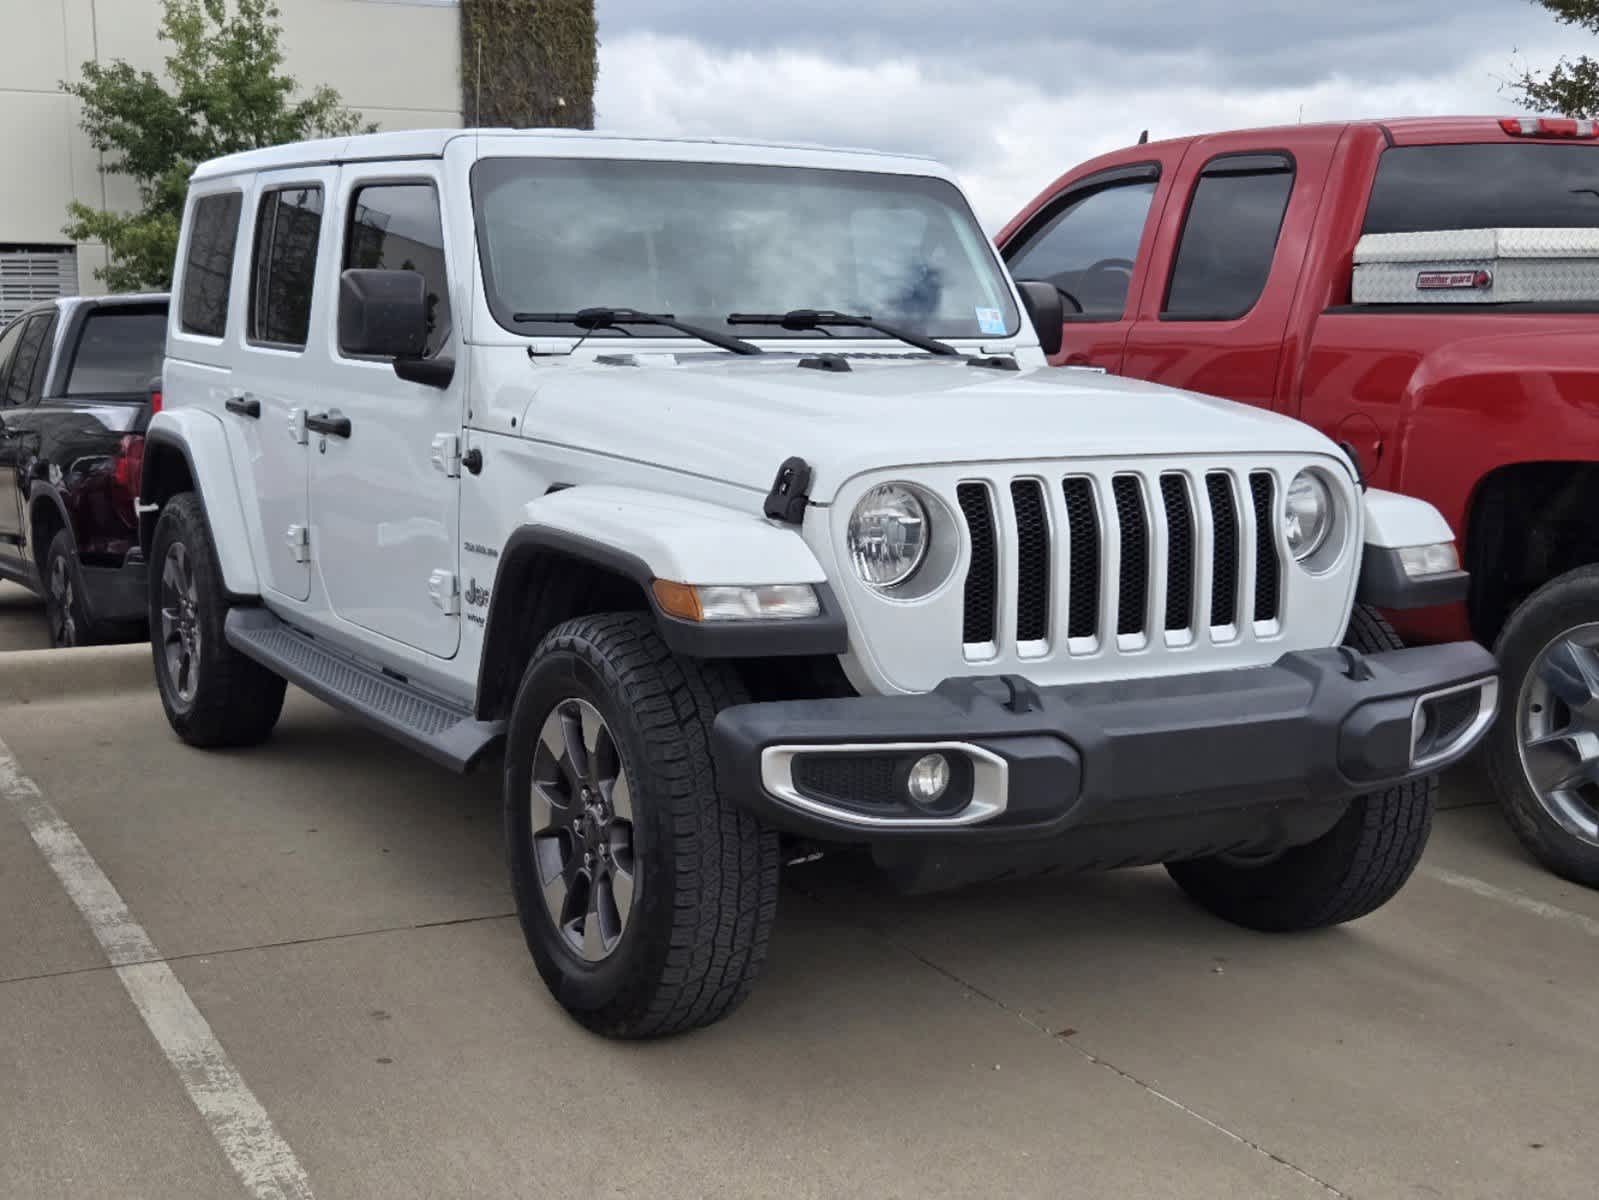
{"x": 615, "y": 318}
{"x": 812, "y": 318}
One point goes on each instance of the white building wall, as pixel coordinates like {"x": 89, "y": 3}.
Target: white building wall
{"x": 397, "y": 62}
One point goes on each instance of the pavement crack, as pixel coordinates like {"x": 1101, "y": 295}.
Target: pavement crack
{"x": 1071, "y": 1044}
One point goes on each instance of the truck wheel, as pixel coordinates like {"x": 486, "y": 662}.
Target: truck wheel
{"x": 63, "y": 595}
{"x": 645, "y": 896}
{"x": 1353, "y": 869}
{"x": 213, "y": 695}
{"x": 1543, "y": 752}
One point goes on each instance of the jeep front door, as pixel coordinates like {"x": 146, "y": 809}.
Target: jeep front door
{"x": 384, "y": 506}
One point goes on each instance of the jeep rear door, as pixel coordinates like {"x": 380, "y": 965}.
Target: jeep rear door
{"x": 384, "y": 510}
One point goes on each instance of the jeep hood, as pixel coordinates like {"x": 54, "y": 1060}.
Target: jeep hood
{"x": 737, "y": 419}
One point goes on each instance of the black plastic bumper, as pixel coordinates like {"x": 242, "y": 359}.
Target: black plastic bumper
{"x": 1177, "y": 765}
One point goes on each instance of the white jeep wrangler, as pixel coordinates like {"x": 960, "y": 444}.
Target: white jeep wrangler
{"x": 803, "y": 543}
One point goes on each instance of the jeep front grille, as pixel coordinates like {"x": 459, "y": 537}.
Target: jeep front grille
{"x": 1121, "y": 559}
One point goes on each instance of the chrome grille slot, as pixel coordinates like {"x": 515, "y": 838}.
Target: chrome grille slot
{"x": 1180, "y": 557}
{"x": 1132, "y": 595}
{"x": 982, "y": 575}
{"x": 1224, "y": 549}
{"x": 1268, "y": 568}
{"x": 1082, "y": 620}
{"x": 1032, "y": 560}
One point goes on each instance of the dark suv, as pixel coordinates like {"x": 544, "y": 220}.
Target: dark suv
{"x": 79, "y": 379}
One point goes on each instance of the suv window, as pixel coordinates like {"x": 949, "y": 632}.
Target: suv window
{"x": 25, "y": 359}
{"x": 208, "y": 267}
{"x": 8, "y": 345}
{"x": 283, "y": 272}
{"x": 119, "y": 350}
{"x": 396, "y": 227}
{"x": 1088, "y": 247}
{"x": 1484, "y": 187}
{"x": 1229, "y": 237}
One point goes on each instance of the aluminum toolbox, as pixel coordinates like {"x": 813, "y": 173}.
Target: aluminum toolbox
{"x": 1477, "y": 266}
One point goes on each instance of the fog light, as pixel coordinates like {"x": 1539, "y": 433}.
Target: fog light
{"x": 928, "y": 779}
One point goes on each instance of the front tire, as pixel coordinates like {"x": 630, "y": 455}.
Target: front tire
{"x": 1543, "y": 752}
{"x": 645, "y": 896}
{"x": 1353, "y": 869}
{"x": 213, "y": 695}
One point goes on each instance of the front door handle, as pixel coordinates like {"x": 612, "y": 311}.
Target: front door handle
{"x": 244, "y": 406}
{"x": 330, "y": 422}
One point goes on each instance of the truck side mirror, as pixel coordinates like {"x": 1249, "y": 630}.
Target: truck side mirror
{"x": 383, "y": 314}
{"x": 1046, "y": 310}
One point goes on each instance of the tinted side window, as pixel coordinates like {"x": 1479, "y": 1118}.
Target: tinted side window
{"x": 118, "y": 351}
{"x": 1088, "y": 248}
{"x": 8, "y": 346}
{"x": 1229, "y": 237}
{"x": 396, "y": 227}
{"x": 283, "y": 271}
{"x": 208, "y": 269}
{"x": 23, "y": 362}
{"x": 1484, "y": 187}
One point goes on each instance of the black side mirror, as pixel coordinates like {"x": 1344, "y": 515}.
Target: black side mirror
{"x": 383, "y": 313}
{"x": 1047, "y": 311}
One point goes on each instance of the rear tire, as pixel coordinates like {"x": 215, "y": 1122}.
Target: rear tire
{"x": 213, "y": 695}
{"x": 1552, "y": 636}
{"x": 1351, "y": 870}
{"x": 64, "y": 609}
{"x": 648, "y": 911}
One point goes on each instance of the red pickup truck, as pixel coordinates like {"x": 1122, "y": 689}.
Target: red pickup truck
{"x": 1225, "y": 264}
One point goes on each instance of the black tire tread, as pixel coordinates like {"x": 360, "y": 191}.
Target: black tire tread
{"x": 62, "y": 545}
{"x": 238, "y": 701}
{"x": 725, "y": 864}
{"x": 1350, "y": 871}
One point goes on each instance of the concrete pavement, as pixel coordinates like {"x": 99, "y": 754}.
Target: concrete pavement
{"x": 21, "y": 619}
{"x": 337, "y": 911}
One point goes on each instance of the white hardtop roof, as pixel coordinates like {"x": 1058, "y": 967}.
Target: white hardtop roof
{"x": 431, "y": 143}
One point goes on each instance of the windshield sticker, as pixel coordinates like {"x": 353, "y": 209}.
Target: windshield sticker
{"x": 990, "y": 320}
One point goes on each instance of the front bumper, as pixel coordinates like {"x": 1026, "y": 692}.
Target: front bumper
{"x": 1165, "y": 768}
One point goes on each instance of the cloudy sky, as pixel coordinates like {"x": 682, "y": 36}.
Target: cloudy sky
{"x": 1011, "y": 92}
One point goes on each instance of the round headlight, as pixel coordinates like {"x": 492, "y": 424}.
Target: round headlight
{"x": 887, "y": 537}
{"x": 1307, "y": 514}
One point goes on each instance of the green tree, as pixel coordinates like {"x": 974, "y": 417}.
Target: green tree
{"x": 529, "y": 63}
{"x": 223, "y": 92}
{"x": 1571, "y": 86}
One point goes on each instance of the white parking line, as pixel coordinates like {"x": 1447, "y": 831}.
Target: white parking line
{"x": 241, "y": 1127}
{"x": 1539, "y": 908}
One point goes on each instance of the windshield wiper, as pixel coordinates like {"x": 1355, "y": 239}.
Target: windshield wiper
{"x": 812, "y": 318}
{"x": 616, "y": 318}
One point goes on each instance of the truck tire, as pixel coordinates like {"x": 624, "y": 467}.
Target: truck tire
{"x": 1543, "y": 751}
{"x": 646, "y": 897}
{"x": 213, "y": 695}
{"x": 1353, "y": 869}
{"x": 64, "y": 610}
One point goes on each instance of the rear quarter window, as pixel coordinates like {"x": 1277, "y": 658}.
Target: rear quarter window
{"x": 208, "y": 266}
{"x": 1488, "y": 186}
{"x": 118, "y": 352}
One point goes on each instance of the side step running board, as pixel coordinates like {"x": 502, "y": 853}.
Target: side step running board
{"x": 448, "y": 735}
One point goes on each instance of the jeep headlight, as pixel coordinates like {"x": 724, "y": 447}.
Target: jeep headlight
{"x": 1307, "y": 514}
{"x": 887, "y": 538}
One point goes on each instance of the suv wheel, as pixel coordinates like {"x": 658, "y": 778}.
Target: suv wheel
{"x": 646, "y": 898}
{"x": 1353, "y": 869}
{"x": 64, "y": 611}
{"x": 1543, "y": 752}
{"x": 213, "y": 695}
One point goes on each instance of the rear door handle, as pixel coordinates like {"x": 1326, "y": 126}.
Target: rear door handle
{"x": 245, "y": 407}
{"x": 330, "y": 422}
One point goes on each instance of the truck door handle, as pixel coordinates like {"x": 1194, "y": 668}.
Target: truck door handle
{"x": 329, "y": 422}
{"x": 243, "y": 406}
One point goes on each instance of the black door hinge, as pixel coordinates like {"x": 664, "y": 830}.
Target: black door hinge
{"x": 791, "y": 492}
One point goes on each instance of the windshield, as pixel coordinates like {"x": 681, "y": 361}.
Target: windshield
{"x": 704, "y": 240}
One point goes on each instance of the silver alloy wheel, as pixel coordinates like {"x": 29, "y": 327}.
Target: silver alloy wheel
{"x": 1557, "y": 731}
{"x": 63, "y": 628}
{"x": 582, "y": 810}
{"x": 180, "y": 622}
